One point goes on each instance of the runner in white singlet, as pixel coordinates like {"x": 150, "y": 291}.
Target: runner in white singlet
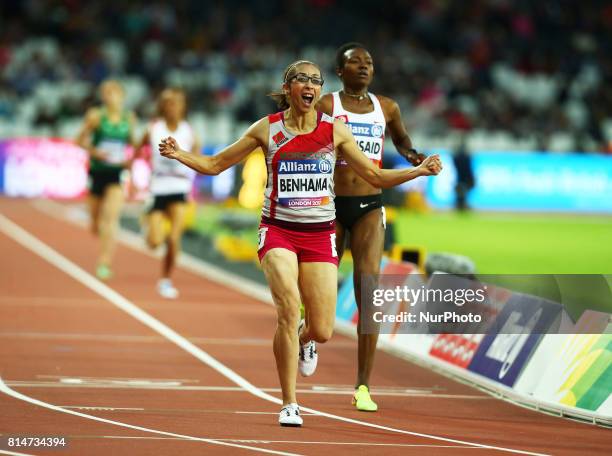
{"x": 359, "y": 208}
{"x": 171, "y": 184}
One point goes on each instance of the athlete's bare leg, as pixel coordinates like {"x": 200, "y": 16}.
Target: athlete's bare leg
{"x": 155, "y": 228}
{"x": 340, "y": 243}
{"x": 280, "y": 267}
{"x": 110, "y": 210}
{"x": 340, "y": 240}
{"x": 176, "y": 214}
{"x": 318, "y": 282}
{"x": 367, "y": 242}
{"x": 94, "y": 203}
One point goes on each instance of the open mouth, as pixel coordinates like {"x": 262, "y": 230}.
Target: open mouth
{"x": 308, "y": 98}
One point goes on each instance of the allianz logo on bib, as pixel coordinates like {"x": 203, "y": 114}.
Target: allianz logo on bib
{"x": 305, "y": 167}
{"x": 366, "y": 129}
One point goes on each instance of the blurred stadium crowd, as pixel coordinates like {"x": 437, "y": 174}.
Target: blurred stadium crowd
{"x": 526, "y": 75}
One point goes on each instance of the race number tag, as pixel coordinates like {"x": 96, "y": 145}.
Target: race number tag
{"x": 304, "y": 183}
{"x": 370, "y": 138}
{"x": 114, "y": 151}
{"x": 169, "y": 167}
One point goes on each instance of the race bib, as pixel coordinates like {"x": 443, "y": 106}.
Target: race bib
{"x": 369, "y": 138}
{"x": 169, "y": 167}
{"x": 304, "y": 183}
{"x": 114, "y": 151}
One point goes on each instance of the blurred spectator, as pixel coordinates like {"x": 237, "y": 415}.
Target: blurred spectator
{"x": 520, "y": 70}
{"x": 465, "y": 176}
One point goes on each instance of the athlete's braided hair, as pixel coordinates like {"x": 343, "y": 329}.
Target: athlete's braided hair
{"x": 279, "y": 96}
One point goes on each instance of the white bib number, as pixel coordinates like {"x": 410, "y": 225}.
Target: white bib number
{"x": 304, "y": 183}
{"x": 114, "y": 151}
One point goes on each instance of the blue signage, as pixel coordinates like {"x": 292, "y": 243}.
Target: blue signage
{"x": 521, "y": 181}
{"x": 514, "y": 336}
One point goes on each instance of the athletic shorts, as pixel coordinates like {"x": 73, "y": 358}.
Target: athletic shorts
{"x": 349, "y": 209}
{"x": 100, "y": 179}
{"x": 162, "y": 202}
{"x": 310, "y": 242}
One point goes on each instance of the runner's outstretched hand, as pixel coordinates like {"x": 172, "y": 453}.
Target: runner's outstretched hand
{"x": 431, "y": 166}
{"x": 169, "y": 147}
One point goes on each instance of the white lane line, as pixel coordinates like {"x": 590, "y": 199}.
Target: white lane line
{"x": 161, "y": 387}
{"x": 306, "y": 442}
{"x": 162, "y": 410}
{"x": 55, "y": 258}
{"x": 138, "y": 386}
{"x": 10, "y": 392}
{"x": 12, "y": 453}
{"x": 151, "y": 385}
{"x": 244, "y": 412}
{"x": 102, "y": 409}
{"x": 85, "y": 379}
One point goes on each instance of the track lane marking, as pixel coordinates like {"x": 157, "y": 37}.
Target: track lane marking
{"x": 17, "y": 395}
{"x": 12, "y": 453}
{"x": 41, "y": 249}
{"x": 308, "y": 442}
{"x": 176, "y": 386}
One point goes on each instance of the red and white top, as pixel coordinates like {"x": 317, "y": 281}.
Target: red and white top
{"x": 368, "y": 129}
{"x": 300, "y": 187}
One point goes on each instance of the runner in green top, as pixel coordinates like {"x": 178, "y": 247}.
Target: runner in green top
{"x": 112, "y": 139}
{"x": 106, "y": 133}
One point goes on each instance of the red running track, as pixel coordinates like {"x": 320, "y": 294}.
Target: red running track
{"x": 197, "y": 376}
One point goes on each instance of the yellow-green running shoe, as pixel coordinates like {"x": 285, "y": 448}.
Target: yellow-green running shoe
{"x": 363, "y": 401}
{"x": 103, "y": 272}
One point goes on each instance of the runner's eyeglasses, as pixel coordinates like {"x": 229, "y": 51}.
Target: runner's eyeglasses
{"x": 304, "y": 78}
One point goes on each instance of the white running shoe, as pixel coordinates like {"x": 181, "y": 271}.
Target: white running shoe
{"x": 307, "y": 362}
{"x": 166, "y": 289}
{"x": 290, "y": 416}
